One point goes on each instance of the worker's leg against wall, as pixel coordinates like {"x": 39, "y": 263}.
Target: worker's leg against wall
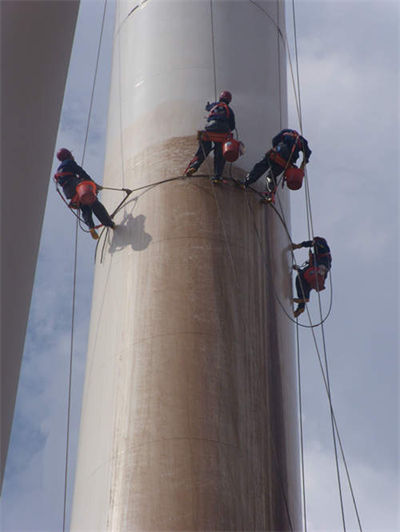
{"x": 87, "y": 215}
{"x": 258, "y": 170}
{"x": 102, "y": 214}
{"x": 202, "y": 152}
{"x": 302, "y": 288}
{"x": 219, "y": 161}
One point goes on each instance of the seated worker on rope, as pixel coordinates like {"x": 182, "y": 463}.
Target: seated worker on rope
{"x": 81, "y": 190}
{"x": 313, "y": 273}
{"x": 220, "y": 122}
{"x": 280, "y": 158}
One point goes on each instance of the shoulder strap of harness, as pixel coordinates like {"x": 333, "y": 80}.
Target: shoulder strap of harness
{"x": 218, "y": 104}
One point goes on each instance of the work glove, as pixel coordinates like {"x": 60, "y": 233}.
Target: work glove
{"x": 296, "y": 246}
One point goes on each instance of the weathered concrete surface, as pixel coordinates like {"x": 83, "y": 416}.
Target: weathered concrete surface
{"x": 189, "y": 413}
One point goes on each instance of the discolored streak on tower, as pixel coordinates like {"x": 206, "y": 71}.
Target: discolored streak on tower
{"x": 189, "y": 411}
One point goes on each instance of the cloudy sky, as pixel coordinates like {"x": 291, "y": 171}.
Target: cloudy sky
{"x": 349, "y": 71}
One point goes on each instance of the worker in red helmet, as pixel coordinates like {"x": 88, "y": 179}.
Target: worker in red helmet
{"x": 313, "y": 273}
{"x": 284, "y": 153}
{"x": 69, "y": 174}
{"x": 221, "y": 119}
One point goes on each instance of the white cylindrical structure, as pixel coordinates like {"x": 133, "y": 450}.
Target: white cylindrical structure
{"x": 189, "y": 411}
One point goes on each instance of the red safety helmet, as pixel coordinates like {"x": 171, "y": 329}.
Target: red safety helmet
{"x": 63, "y": 154}
{"x": 225, "y": 96}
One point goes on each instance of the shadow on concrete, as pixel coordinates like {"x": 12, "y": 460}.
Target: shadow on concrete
{"x": 130, "y": 231}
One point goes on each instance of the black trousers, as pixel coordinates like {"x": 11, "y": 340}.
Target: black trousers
{"x": 99, "y": 211}
{"x": 303, "y": 289}
{"x": 205, "y": 146}
{"x": 261, "y": 167}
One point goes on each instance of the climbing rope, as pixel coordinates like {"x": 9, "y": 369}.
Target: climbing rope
{"x": 303, "y": 483}
{"x": 281, "y": 217}
{"x": 311, "y": 237}
{"x": 281, "y": 483}
{"x": 68, "y": 421}
{"x": 325, "y": 373}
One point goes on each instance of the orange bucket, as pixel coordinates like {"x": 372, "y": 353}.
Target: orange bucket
{"x": 86, "y": 193}
{"x": 294, "y": 177}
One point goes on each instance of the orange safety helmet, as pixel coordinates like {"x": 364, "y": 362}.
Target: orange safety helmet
{"x": 63, "y": 154}
{"x": 225, "y": 96}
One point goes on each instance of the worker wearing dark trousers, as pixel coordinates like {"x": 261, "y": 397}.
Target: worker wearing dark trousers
{"x": 260, "y": 168}
{"x": 319, "y": 258}
{"x": 205, "y": 146}
{"x": 69, "y": 175}
{"x": 221, "y": 119}
{"x": 285, "y": 151}
{"x": 98, "y": 209}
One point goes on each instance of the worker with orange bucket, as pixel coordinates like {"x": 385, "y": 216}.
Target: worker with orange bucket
{"x": 81, "y": 190}
{"x": 313, "y": 273}
{"x": 220, "y": 124}
{"x": 281, "y": 158}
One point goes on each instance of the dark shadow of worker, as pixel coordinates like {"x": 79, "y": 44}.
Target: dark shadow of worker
{"x": 130, "y": 232}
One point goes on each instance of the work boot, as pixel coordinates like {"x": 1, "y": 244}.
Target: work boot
{"x": 298, "y": 311}
{"x": 269, "y": 197}
{"x": 300, "y": 300}
{"x": 190, "y": 171}
{"x": 217, "y": 179}
{"x": 93, "y": 233}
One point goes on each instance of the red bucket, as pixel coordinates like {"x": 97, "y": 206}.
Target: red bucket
{"x": 86, "y": 192}
{"x": 231, "y": 150}
{"x": 294, "y": 178}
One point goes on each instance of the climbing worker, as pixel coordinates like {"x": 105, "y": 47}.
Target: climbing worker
{"x": 313, "y": 273}
{"x": 81, "y": 190}
{"x": 283, "y": 155}
{"x": 220, "y": 122}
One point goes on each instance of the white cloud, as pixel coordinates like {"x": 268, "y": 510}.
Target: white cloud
{"x": 376, "y": 491}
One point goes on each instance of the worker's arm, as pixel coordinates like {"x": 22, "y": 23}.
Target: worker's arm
{"x": 306, "y": 152}
{"x": 78, "y": 170}
{"x": 305, "y": 244}
{"x": 232, "y": 122}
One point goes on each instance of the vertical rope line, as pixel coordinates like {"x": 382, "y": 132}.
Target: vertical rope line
{"x": 70, "y": 374}
{"x": 281, "y": 217}
{"x": 273, "y": 446}
{"x": 94, "y": 82}
{"x": 336, "y": 425}
{"x": 121, "y": 130}
{"x": 213, "y": 50}
{"x": 297, "y": 68}
{"x": 279, "y": 69}
{"x": 331, "y": 415}
{"x": 236, "y": 277}
{"x": 325, "y": 376}
{"x": 301, "y": 427}
{"x": 311, "y": 230}
{"x": 68, "y": 421}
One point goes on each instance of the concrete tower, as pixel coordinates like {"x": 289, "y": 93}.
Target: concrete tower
{"x": 189, "y": 411}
